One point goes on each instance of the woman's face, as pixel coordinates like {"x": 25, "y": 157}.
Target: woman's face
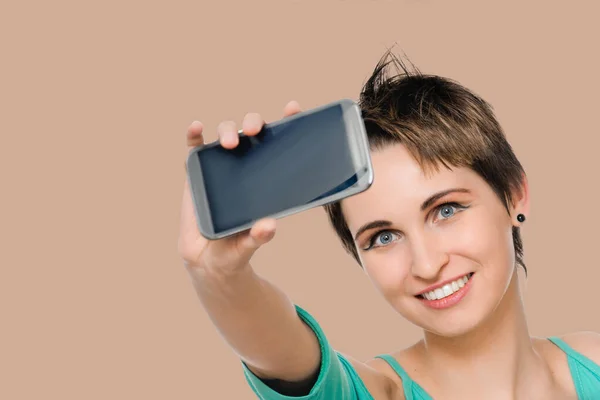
{"x": 439, "y": 247}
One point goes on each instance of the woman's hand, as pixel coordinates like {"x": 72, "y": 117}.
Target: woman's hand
{"x": 227, "y": 255}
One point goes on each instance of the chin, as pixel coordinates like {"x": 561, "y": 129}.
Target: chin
{"x": 451, "y": 329}
{"x": 450, "y": 326}
{"x": 455, "y": 321}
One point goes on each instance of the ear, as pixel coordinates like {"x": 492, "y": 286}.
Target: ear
{"x": 520, "y": 201}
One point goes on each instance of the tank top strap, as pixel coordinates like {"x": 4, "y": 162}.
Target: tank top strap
{"x": 584, "y": 372}
{"x": 573, "y": 354}
{"x": 412, "y": 390}
{"x": 396, "y": 367}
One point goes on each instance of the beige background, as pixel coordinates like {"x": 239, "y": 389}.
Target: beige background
{"x": 95, "y": 100}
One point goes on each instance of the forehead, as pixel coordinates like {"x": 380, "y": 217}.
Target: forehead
{"x": 400, "y": 186}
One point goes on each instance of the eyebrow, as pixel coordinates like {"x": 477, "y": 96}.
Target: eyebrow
{"x": 424, "y": 206}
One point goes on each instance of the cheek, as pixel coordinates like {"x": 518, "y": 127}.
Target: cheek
{"x": 387, "y": 270}
{"x": 488, "y": 239}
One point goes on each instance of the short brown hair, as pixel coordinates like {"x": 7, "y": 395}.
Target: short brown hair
{"x": 440, "y": 122}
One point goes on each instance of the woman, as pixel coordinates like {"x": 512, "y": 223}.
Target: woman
{"x": 438, "y": 235}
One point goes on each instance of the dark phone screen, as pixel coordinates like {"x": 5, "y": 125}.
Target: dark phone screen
{"x": 285, "y": 166}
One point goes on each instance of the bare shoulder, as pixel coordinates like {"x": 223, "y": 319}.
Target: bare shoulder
{"x": 585, "y": 342}
{"x": 378, "y": 382}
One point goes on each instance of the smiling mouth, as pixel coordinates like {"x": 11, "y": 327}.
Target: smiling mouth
{"x": 447, "y": 290}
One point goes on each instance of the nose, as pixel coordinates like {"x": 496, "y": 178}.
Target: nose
{"x": 428, "y": 258}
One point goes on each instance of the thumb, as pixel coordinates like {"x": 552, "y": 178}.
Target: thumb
{"x": 261, "y": 233}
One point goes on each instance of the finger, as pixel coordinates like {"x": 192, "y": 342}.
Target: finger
{"x": 194, "y": 135}
{"x": 252, "y": 124}
{"x": 291, "y": 108}
{"x": 189, "y": 235}
{"x": 228, "y": 134}
{"x": 261, "y": 233}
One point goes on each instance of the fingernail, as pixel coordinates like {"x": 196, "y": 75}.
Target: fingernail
{"x": 230, "y": 140}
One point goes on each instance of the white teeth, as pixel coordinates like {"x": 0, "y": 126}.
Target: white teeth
{"x": 447, "y": 290}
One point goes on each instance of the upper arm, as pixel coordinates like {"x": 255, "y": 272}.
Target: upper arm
{"x": 338, "y": 376}
{"x": 587, "y": 343}
{"x": 292, "y": 388}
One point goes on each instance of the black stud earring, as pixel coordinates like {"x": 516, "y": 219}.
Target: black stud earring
{"x": 520, "y": 218}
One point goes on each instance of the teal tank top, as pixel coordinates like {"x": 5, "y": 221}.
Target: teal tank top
{"x": 338, "y": 380}
{"x": 585, "y": 374}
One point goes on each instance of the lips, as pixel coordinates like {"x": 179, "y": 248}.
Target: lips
{"x": 445, "y": 289}
{"x": 448, "y": 293}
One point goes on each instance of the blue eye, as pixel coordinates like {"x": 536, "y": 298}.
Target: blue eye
{"x": 386, "y": 237}
{"x": 447, "y": 210}
{"x": 382, "y": 238}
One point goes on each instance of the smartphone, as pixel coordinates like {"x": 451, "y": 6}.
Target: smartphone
{"x": 300, "y": 162}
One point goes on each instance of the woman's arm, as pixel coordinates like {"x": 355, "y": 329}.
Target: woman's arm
{"x": 338, "y": 377}
{"x": 282, "y": 352}
{"x": 254, "y": 317}
{"x": 261, "y": 325}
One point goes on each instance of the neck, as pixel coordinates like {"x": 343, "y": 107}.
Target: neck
{"x": 496, "y": 357}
